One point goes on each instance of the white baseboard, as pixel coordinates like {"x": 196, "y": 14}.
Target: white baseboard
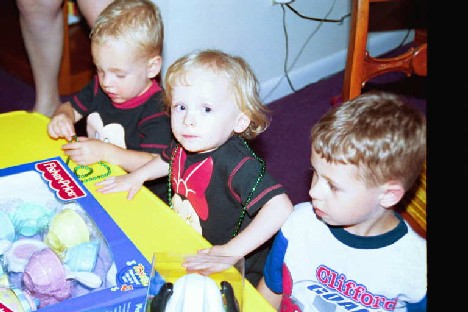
{"x": 378, "y": 44}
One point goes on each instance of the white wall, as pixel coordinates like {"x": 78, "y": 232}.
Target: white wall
{"x": 253, "y": 29}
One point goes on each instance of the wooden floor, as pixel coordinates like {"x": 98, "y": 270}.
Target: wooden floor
{"x": 13, "y": 56}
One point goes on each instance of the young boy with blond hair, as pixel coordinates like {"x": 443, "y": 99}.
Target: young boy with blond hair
{"x": 126, "y": 122}
{"x": 347, "y": 249}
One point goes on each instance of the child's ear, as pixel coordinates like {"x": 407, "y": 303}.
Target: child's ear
{"x": 392, "y": 194}
{"x": 154, "y": 66}
{"x": 242, "y": 122}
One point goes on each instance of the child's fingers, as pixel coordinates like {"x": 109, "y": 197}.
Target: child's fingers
{"x": 105, "y": 182}
{"x": 132, "y": 192}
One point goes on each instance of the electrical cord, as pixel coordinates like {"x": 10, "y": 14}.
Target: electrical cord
{"x": 326, "y": 20}
{"x": 321, "y": 21}
{"x": 286, "y": 57}
{"x": 403, "y": 40}
{"x": 285, "y": 63}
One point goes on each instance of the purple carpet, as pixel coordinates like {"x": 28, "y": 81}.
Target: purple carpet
{"x": 15, "y": 94}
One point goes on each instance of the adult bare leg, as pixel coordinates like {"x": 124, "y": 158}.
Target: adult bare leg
{"x": 41, "y": 24}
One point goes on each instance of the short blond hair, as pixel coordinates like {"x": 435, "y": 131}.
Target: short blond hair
{"x": 379, "y": 133}
{"x": 241, "y": 76}
{"x": 138, "y": 22}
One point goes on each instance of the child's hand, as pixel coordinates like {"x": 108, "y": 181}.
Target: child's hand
{"x": 211, "y": 260}
{"x": 60, "y": 126}
{"x": 128, "y": 182}
{"x": 85, "y": 151}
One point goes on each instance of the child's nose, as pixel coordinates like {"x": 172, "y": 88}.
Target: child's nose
{"x": 313, "y": 188}
{"x": 189, "y": 119}
{"x": 105, "y": 80}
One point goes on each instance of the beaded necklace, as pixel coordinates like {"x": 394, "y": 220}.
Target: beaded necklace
{"x": 88, "y": 168}
{"x": 244, "y": 205}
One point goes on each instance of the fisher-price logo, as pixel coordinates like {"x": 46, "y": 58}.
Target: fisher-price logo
{"x": 59, "y": 180}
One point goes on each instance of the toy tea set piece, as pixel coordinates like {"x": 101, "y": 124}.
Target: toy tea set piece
{"x": 16, "y": 300}
{"x": 48, "y": 280}
{"x": 69, "y": 236}
{"x": 82, "y": 257}
{"x": 18, "y": 254}
{"x": 30, "y": 218}
{"x": 66, "y": 229}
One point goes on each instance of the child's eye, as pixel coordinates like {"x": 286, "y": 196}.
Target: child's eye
{"x": 332, "y": 186}
{"x": 208, "y": 109}
{"x": 179, "y": 107}
{"x": 121, "y": 76}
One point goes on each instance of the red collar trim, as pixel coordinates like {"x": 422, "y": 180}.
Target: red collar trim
{"x": 142, "y": 98}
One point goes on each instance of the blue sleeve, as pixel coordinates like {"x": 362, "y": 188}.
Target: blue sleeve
{"x": 273, "y": 269}
{"x": 417, "y": 306}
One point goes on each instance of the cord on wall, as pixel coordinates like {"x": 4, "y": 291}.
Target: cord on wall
{"x": 325, "y": 19}
{"x": 339, "y": 21}
{"x": 285, "y": 4}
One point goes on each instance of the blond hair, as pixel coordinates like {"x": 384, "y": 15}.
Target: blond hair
{"x": 138, "y": 22}
{"x": 379, "y": 133}
{"x": 243, "y": 81}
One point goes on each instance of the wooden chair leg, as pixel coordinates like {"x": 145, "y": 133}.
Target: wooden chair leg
{"x": 361, "y": 67}
{"x": 352, "y": 83}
